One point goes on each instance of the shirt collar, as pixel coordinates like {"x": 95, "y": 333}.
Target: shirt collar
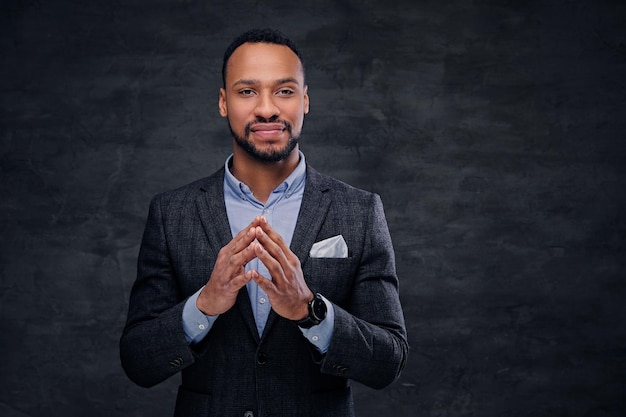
{"x": 291, "y": 185}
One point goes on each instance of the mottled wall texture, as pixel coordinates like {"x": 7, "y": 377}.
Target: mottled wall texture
{"x": 493, "y": 130}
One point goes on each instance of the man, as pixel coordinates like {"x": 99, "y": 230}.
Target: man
{"x": 267, "y": 284}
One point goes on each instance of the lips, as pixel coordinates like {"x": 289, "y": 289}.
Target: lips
{"x": 267, "y": 127}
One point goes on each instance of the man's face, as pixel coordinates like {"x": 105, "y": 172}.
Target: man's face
{"x": 265, "y": 100}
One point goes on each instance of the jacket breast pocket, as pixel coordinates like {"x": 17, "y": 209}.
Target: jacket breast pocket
{"x": 332, "y": 277}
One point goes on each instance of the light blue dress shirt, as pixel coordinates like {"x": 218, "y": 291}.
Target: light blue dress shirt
{"x": 281, "y": 211}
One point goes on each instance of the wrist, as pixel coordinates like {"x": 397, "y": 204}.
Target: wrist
{"x": 204, "y": 305}
{"x": 304, "y": 309}
{"x": 316, "y": 312}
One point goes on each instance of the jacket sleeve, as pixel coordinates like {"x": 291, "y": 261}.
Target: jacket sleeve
{"x": 369, "y": 343}
{"x": 153, "y": 345}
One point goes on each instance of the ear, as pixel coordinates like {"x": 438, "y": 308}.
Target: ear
{"x": 306, "y": 99}
{"x": 222, "y": 103}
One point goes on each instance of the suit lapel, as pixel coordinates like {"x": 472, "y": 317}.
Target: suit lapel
{"x": 212, "y": 211}
{"x": 315, "y": 203}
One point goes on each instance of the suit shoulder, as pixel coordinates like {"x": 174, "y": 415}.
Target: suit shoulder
{"x": 340, "y": 188}
{"x": 190, "y": 191}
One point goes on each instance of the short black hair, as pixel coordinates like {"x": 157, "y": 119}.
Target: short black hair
{"x": 266, "y": 35}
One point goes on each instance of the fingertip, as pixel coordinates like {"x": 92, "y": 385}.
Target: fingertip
{"x": 253, "y": 275}
{"x": 258, "y": 247}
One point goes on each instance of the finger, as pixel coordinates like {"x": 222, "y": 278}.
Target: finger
{"x": 272, "y": 256}
{"x": 229, "y": 265}
{"x": 241, "y": 258}
{"x": 266, "y": 284}
{"x": 273, "y": 246}
{"x": 245, "y": 236}
{"x": 239, "y": 281}
{"x": 282, "y": 274}
{"x": 273, "y": 234}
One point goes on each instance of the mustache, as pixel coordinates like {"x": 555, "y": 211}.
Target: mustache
{"x": 259, "y": 120}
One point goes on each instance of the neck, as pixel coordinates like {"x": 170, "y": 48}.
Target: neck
{"x": 262, "y": 177}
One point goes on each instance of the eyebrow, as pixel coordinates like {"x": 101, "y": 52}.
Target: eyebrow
{"x": 280, "y": 81}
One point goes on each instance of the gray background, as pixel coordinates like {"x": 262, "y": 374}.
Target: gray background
{"x": 493, "y": 130}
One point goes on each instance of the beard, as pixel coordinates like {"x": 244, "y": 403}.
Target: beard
{"x": 270, "y": 155}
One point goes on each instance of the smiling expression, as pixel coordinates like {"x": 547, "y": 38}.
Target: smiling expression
{"x": 265, "y": 100}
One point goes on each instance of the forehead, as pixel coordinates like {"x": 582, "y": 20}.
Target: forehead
{"x": 263, "y": 61}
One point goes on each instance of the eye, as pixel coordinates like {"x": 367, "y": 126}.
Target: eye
{"x": 285, "y": 92}
{"x": 246, "y": 92}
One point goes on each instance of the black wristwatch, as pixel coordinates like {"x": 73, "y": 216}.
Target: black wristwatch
{"x": 317, "y": 313}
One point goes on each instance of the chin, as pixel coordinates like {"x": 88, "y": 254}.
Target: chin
{"x": 269, "y": 153}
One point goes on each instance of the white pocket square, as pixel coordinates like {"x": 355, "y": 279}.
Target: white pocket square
{"x": 333, "y": 247}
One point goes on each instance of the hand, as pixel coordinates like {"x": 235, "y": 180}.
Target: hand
{"x": 228, "y": 276}
{"x": 287, "y": 290}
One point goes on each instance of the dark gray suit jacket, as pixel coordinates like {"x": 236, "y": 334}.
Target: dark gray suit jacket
{"x": 233, "y": 370}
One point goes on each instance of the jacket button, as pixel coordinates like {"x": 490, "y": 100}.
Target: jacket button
{"x": 261, "y": 358}
{"x": 248, "y": 414}
{"x": 176, "y": 362}
{"x": 340, "y": 368}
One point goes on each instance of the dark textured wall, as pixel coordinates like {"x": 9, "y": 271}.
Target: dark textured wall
{"x": 493, "y": 130}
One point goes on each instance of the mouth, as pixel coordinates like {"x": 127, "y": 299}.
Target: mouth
{"x": 267, "y": 127}
{"x": 268, "y": 130}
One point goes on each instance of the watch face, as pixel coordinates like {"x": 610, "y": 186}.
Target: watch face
{"x": 319, "y": 308}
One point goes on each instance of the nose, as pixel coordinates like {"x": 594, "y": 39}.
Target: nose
{"x": 266, "y": 107}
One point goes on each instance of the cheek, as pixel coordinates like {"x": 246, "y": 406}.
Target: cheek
{"x": 297, "y": 114}
{"x": 300, "y": 119}
{"x": 237, "y": 115}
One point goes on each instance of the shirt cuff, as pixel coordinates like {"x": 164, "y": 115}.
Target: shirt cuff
{"x": 196, "y": 324}
{"x": 321, "y": 334}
